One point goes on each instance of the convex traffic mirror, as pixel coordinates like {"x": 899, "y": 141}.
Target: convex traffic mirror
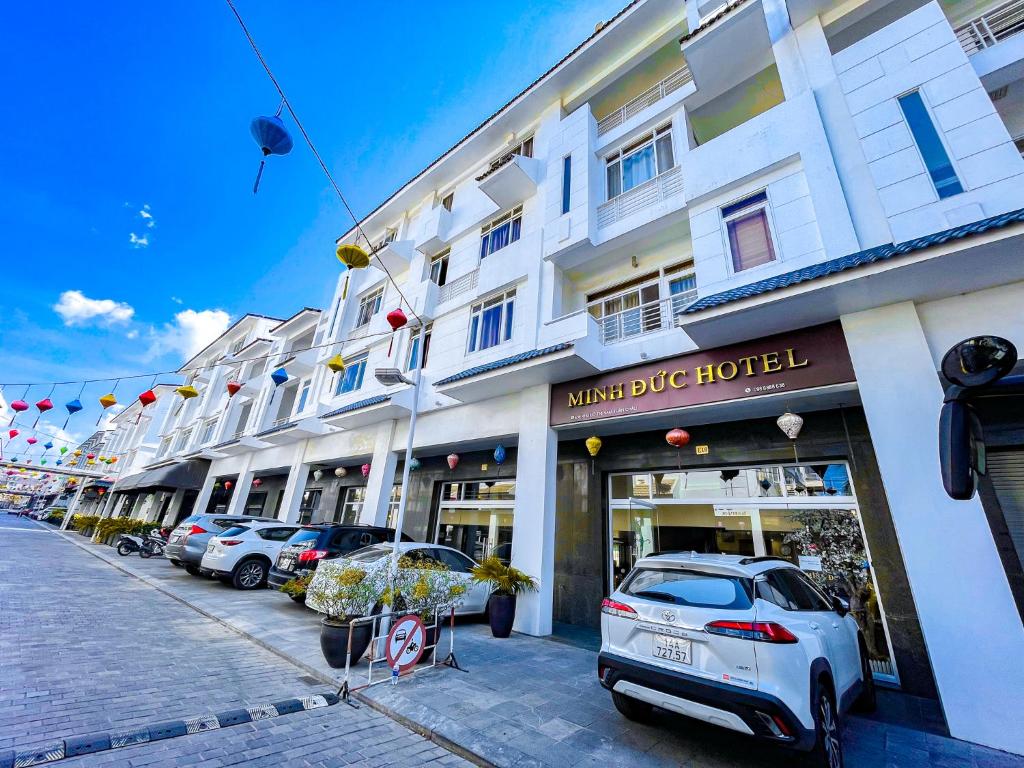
{"x": 979, "y": 361}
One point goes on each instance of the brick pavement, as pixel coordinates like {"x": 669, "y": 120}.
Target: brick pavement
{"x": 87, "y": 648}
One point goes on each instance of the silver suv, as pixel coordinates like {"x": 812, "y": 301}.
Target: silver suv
{"x": 187, "y": 543}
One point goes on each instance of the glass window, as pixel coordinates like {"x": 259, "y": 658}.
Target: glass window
{"x": 789, "y": 589}
{"x": 390, "y": 235}
{"x": 393, "y": 501}
{"x": 413, "y": 359}
{"x": 370, "y": 554}
{"x": 933, "y": 152}
{"x": 523, "y": 148}
{"x": 456, "y": 561}
{"x": 566, "y": 182}
{"x": 235, "y": 530}
{"x": 448, "y": 200}
{"x": 501, "y": 232}
{"x": 351, "y": 505}
{"x": 255, "y": 503}
{"x": 439, "y": 268}
{"x": 477, "y": 532}
{"x": 490, "y": 321}
{"x": 700, "y": 590}
{"x": 750, "y": 239}
{"x": 303, "y": 395}
{"x": 304, "y": 534}
{"x": 369, "y": 305}
{"x": 640, "y": 161}
{"x": 351, "y": 378}
{"x": 310, "y": 504}
{"x": 628, "y": 313}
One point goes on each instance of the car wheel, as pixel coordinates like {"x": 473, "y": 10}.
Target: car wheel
{"x": 192, "y": 570}
{"x": 176, "y": 564}
{"x": 250, "y": 574}
{"x": 866, "y": 702}
{"x": 828, "y": 744}
{"x": 632, "y": 709}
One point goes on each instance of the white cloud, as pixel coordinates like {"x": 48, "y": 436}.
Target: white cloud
{"x": 138, "y": 241}
{"x": 176, "y": 300}
{"x": 75, "y": 308}
{"x": 190, "y": 332}
{"x": 132, "y": 334}
{"x": 147, "y": 216}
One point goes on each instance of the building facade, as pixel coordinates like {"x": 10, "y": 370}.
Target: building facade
{"x": 703, "y": 217}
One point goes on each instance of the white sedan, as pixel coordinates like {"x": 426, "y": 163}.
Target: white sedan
{"x": 243, "y": 554}
{"x": 473, "y": 601}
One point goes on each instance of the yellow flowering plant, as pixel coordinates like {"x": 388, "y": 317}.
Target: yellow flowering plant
{"x": 424, "y": 585}
{"x": 343, "y": 594}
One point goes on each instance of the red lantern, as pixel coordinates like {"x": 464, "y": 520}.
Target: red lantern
{"x": 147, "y": 398}
{"x": 233, "y": 387}
{"x": 365, "y": 470}
{"x": 13, "y": 433}
{"x": 257, "y": 483}
{"x": 677, "y": 438}
{"x": 227, "y": 485}
{"x": 396, "y": 319}
{"x": 90, "y": 456}
{"x": 31, "y": 441}
{"x": 453, "y": 461}
{"x": 43, "y": 405}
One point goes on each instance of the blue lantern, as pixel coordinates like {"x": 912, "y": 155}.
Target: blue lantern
{"x": 279, "y": 377}
{"x": 59, "y": 462}
{"x": 499, "y": 455}
{"x": 414, "y": 464}
{"x": 272, "y": 137}
{"x": 47, "y": 445}
{"x": 73, "y": 407}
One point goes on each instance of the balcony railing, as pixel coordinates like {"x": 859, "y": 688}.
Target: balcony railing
{"x": 652, "y": 95}
{"x": 458, "y": 286}
{"x": 645, "y": 318}
{"x": 988, "y": 28}
{"x": 652, "y": 191}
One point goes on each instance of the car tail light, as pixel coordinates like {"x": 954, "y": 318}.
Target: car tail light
{"x": 230, "y": 542}
{"x": 614, "y": 608}
{"x": 761, "y": 631}
{"x": 312, "y": 554}
{"x": 196, "y": 529}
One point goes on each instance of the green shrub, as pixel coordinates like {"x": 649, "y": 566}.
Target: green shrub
{"x": 84, "y": 522}
{"x": 296, "y": 587}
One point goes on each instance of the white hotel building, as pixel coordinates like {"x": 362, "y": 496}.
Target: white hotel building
{"x": 702, "y": 217}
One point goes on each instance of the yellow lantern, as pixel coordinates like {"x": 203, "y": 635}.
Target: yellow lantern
{"x": 353, "y": 257}
{"x": 187, "y": 391}
{"x": 336, "y": 364}
{"x": 593, "y": 447}
{"x": 78, "y": 452}
{"x": 108, "y": 400}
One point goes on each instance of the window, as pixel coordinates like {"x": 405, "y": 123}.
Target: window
{"x": 566, "y": 182}
{"x": 640, "y": 161}
{"x": 255, "y": 503}
{"x": 351, "y": 505}
{"x": 503, "y": 230}
{"x": 790, "y": 589}
{"x": 439, "y": 268}
{"x": 446, "y": 201}
{"x": 414, "y": 348}
{"x": 335, "y": 315}
{"x": 276, "y": 534}
{"x": 631, "y": 309}
{"x": 693, "y": 588}
{"x": 304, "y": 386}
{"x": 750, "y": 239}
{"x": 236, "y": 346}
{"x": 490, "y": 321}
{"x": 165, "y": 446}
{"x": 934, "y": 154}
{"x": 369, "y": 305}
{"x": 390, "y": 235}
{"x": 208, "y": 430}
{"x": 309, "y": 504}
{"x": 351, "y": 378}
{"x": 393, "y": 501}
{"x": 524, "y": 148}
{"x": 183, "y": 440}
{"x": 682, "y": 286}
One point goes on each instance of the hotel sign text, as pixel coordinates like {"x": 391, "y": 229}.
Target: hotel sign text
{"x": 811, "y": 357}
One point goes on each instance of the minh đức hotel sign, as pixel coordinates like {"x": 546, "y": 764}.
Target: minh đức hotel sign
{"x": 803, "y": 359}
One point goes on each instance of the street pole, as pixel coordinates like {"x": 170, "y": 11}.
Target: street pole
{"x": 407, "y": 467}
{"x": 73, "y": 506}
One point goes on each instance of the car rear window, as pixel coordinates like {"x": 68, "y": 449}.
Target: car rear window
{"x": 694, "y": 588}
{"x": 369, "y": 554}
{"x": 304, "y": 534}
{"x": 189, "y": 520}
{"x": 233, "y": 531}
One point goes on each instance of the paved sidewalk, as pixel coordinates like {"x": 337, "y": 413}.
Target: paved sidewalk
{"x": 86, "y": 648}
{"x": 533, "y": 702}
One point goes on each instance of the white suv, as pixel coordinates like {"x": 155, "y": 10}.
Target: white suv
{"x": 746, "y": 643}
{"x": 243, "y": 554}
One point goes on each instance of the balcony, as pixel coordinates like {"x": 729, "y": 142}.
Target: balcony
{"x": 299, "y": 363}
{"x": 436, "y": 232}
{"x": 511, "y": 182}
{"x": 651, "y": 96}
{"x": 395, "y": 256}
{"x": 656, "y": 190}
{"x": 643, "y": 319}
{"x": 994, "y": 25}
{"x": 458, "y": 286}
{"x": 286, "y": 430}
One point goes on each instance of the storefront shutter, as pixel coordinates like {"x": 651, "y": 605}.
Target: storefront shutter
{"x": 1006, "y": 469}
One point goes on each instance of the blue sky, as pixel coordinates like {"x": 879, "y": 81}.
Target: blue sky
{"x": 130, "y": 229}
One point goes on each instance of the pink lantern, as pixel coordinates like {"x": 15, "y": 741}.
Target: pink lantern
{"x": 453, "y": 461}
{"x": 13, "y": 434}
{"x": 18, "y": 406}
{"x": 31, "y": 441}
{"x": 366, "y": 470}
{"x": 227, "y": 485}
{"x": 257, "y": 483}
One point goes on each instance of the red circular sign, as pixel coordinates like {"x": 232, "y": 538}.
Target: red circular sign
{"x": 405, "y": 644}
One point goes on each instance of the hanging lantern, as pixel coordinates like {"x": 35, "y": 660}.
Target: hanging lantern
{"x": 18, "y": 406}
{"x": 31, "y": 441}
{"x": 108, "y": 400}
{"x": 78, "y": 452}
{"x": 187, "y": 391}
{"x": 414, "y": 464}
{"x": 43, "y": 461}
{"x": 227, "y": 485}
{"x": 593, "y": 446}
{"x": 90, "y": 456}
{"x": 59, "y": 462}
{"x": 340, "y": 472}
{"x": 499, "y": 454}
{"x": 272, "y": 138}
{"x": 113, "y": 459}
{"x": 13, "y": 433}
{"x": 73, "y": 407}
{"x": 63, "y": 450}
{"x": 791, "y": 424}
{"x": 233, "y": 388}
{"x": 47, "y": 445}
{"x": 257, "y": 483}
{"x": 453, "y": 461}
{"x": 101, "y": 491}
{"x": 279, "y": 377}
{"x": 43, "y": 405}
{"x": 353, "y": 257}
{"x": 146, "y": 398}
{"x": 317, "y": 474}
{"x": 396, "y": 319}
{"x": 677, "y": 438}
{"x": 336, "y": 364}
{"x": 365, "y": 469}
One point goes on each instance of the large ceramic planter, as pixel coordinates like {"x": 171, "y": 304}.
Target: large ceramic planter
{"x": 334, "y": 641}
{"x": 433, "y": 634}
{"x": 501, "y": 613}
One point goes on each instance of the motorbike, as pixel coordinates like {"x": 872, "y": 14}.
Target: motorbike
{"x": 147, "y": 546}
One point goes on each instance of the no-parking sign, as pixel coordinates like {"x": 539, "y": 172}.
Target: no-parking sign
{"x": 405, "y": 642}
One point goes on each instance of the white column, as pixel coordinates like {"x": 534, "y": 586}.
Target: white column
{"x": 971, "y": 628}
{"x": 73, "y": 506}
{"x": 293, "y": 489}
{"x": 382, "y": 476}
{"x": 205, "y": 492}
{"x": 173, "y": 507}
{"x": 533, "y": 523}
{"x": 242, "y": 486}
{"x": 108, "y": 505}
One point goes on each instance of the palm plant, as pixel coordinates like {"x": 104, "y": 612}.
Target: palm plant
{"x": 504, "y": 579}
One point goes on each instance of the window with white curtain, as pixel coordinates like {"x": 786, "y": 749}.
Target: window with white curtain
{"x": 490, "y": 321}
{"x": 503, "y": 230}
{"x": 369, "y": 305}
{"x": 640, "y": 161}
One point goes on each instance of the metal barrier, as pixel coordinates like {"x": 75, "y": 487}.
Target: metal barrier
{"x": 380, "y": 626}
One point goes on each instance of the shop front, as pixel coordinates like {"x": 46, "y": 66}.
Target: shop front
{"x": 739, "y": 485}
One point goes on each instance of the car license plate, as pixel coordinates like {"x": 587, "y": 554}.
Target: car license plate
{"x": 285, "y": 563}
{"x": 209, "y": 547}
{"x": 672, "y": 649}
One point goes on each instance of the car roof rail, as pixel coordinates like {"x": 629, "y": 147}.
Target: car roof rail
{"x": 764, "y": 559}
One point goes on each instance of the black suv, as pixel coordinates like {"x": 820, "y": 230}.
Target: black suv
{"x": 323, "y": 541}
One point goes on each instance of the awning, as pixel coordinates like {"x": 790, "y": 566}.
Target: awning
{"x": 188, "y": 475}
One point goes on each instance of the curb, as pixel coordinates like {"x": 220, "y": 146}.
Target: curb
{"x": 77, "y": 746}
{"x": 412, "y": 725}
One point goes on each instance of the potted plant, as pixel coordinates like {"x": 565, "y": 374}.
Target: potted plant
{"x": 506, "y": 582}
{"x": 343, "y": 595}
{"x": 296, "y": 587}
{"x": 424, "y": 586}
